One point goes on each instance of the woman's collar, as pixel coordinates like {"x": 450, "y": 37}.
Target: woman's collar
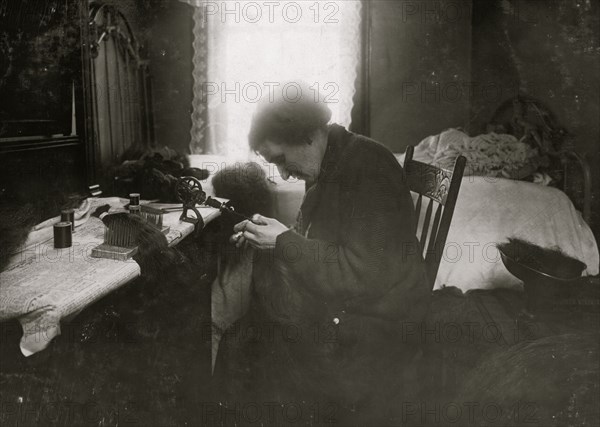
{"x": 336, "y": 135}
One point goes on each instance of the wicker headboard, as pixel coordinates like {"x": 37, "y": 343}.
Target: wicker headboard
{"x": 528, "y": 118}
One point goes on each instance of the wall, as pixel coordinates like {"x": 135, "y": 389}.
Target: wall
{"x": 170, "y": 53}
{"x": 549, "y": 50}
{"x": 420, "y": 66}
{"x": 439, "y": 64}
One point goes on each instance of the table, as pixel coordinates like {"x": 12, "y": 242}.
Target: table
{"x": 43, "y": 285}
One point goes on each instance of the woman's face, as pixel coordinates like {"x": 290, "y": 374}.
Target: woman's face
{"x": 301, "y": 161}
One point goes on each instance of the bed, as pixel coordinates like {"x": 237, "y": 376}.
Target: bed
{"x": 493, "y": 206}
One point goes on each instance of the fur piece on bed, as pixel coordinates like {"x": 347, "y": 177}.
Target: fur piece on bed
{"x": 551, "y": 261}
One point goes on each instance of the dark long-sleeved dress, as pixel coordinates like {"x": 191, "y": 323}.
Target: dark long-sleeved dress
{"x": 334, "y": 299}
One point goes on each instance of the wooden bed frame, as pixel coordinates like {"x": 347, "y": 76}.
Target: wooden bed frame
{"x": 567, "y": 159}
{"x": 526, "y": 117}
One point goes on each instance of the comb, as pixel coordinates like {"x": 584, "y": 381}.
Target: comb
{"x": 119, "y": 235}
{"x": 154, "y": 218}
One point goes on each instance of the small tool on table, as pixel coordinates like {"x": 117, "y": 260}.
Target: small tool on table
{"x": 189, "y": 192}
{"x": 122, "y": 230}
{"x": 152, "y": 216}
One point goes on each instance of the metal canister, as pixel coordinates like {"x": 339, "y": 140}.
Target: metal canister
{"x": 62, "y": 235}
{"x": 135, "y": 210}
{"x": 134, "y": 199}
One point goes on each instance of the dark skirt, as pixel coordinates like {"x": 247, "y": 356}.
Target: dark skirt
{"x": 347, "y": 372}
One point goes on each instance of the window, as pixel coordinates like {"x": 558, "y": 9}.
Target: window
{"x": 244, "y": 49}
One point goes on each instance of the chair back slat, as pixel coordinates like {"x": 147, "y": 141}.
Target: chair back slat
{"x": 426, "y": 221}
{"x": 418, "y": 211}
{"x": 441, "y": 186}
{"x": 430, "y": 254}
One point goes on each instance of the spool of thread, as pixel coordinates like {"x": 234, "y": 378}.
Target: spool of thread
{"x": 134, "y": 199}
{"x": 68, "y": 215}
{"x": 135, "y": 210}
{"x": 62, "y": 235}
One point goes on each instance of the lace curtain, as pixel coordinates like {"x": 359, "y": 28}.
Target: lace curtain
{"x": 244, "y": 49}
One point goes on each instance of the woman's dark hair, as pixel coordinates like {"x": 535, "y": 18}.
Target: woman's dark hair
{"x": 289, "y": 116}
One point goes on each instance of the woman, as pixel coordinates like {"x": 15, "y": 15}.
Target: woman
{"x": 330, "y": 296}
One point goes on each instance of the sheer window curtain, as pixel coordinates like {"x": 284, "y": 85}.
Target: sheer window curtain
{"x": 244, "y": 49}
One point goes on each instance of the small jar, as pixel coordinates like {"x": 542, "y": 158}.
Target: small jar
{"x": 62, "y": 235}
{"x": 135, "y": 210}
{"x": 134, "y": 199}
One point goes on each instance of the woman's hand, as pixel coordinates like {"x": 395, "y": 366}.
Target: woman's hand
{"x": 260, "y": 233}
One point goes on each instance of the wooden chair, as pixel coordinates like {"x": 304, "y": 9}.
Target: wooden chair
{"x": 440, "y": 187}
